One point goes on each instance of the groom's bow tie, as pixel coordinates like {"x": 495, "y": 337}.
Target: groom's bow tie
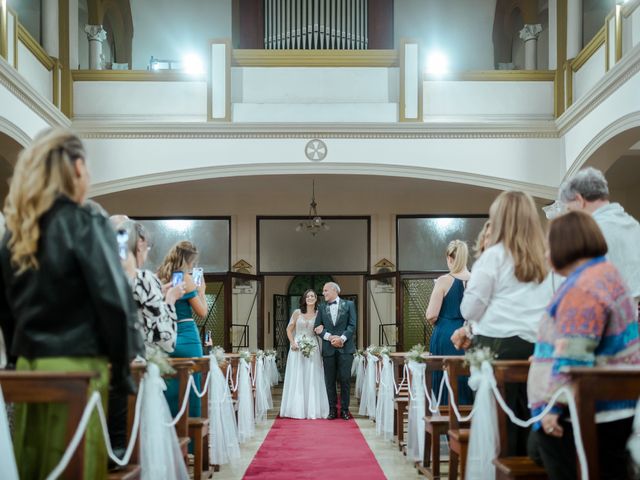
{"x": 333, "y": 303}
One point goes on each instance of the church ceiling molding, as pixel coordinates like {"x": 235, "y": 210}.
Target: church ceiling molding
{"x": 428, "y": 130}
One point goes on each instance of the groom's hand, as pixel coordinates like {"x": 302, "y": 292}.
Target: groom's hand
{"x": 337, "y": 342}
{"x": 319, "y": 329}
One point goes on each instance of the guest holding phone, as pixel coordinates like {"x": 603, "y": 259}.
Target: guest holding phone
{"x": 181, "y": 259}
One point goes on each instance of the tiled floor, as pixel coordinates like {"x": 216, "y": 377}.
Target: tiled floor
{"x": 393, "y": 463}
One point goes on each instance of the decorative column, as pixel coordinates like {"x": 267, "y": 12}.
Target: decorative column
{"x": 530, "y": 34}
{"x": 50, "y": 27}
{"x": 574, "y": 28}
{"x": 96, "y": 35}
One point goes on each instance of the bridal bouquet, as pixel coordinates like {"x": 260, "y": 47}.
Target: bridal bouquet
{"x": 307, "y": 345}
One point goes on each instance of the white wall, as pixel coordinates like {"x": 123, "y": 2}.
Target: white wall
{"x": 461, "y": 29}
{"x": 168, "y": 29}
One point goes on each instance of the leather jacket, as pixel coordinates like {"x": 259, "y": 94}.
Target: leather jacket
{"x": 77, "y": 302}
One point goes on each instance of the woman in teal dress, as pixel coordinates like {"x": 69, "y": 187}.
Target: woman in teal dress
{"x": 444, "y": 312}
{"x": 181, "y": 258}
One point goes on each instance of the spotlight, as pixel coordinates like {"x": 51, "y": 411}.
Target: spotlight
{"x": 192, "y": 64}
{"x": 437, "y": 63}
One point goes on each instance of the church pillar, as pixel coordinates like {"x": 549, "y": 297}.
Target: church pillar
{"x": 96, "y": 35}
{"x": 530, "y": 34}
{"x": 574, "y": 28}
{"x": 50, "y": 35}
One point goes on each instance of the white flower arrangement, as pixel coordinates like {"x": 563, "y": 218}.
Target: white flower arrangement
{"x": 270, "y": 353}
{"x": 476, "y": 356}
{"x": 384, "y": 351}
{"x": 415, "y": 353}
{"x": 359, "y": 353}
{"x": 218, "y": 353}
{"x": 158, "y": 356}
{"x": 245, "y": 355}
{"x": 260, "y": 354}
{"x": 307, "y": 345}
{"x": 373, "y": 350}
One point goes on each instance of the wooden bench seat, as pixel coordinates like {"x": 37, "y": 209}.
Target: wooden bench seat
{"x": 522, "y": 468}
{"x": 506, "y": 372}
{"x": 129, "y": 472}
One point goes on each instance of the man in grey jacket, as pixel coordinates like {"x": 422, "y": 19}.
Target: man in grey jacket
{"x": 588, "y": 191}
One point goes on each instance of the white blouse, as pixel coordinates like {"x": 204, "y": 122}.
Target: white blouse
{"x": 497, "y": 304}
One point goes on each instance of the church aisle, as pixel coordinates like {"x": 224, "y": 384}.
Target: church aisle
{"x": 314, "y": 449}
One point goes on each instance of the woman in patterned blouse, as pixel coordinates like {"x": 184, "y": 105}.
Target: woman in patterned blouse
{"x": 156, "y": 311}
{"x": 590, "y": 321}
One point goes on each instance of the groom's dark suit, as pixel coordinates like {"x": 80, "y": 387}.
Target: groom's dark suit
{"x": 337, "y": 361}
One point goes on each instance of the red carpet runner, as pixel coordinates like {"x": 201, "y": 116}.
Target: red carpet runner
{"x": 333, "y": 449}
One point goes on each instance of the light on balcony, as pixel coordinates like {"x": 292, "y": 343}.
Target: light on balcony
{"x": 192, "y": 64}
{"x": 437, "y": 63}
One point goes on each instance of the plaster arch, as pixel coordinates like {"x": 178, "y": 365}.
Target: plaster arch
{"x": 608, "y": 144}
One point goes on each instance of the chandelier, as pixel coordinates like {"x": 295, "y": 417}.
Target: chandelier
{"x": 314, "y": 223}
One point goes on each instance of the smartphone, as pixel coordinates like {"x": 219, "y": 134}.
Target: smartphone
{"x": 123, "y": 237}
{"x": 207, "y": 336}
{"x": 198, "y": 274}
{"x": 177, "y": 278}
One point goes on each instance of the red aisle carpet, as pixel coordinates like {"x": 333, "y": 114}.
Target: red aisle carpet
{"x": 332, "y": 449}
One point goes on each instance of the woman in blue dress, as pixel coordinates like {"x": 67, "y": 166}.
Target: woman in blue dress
{"x": 181, "y": 258}
{"x": 444, "y": 312}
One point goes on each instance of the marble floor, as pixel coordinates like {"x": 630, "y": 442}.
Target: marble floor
{"x": 393, "y": 463}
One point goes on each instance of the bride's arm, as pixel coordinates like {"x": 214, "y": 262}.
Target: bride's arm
{"x": 291, "y": 328}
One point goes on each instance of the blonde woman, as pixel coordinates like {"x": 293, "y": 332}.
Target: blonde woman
{"x": 507, "y": 293}
{"x": 66, "y": 304}
{"x": 482, "y": 241}
{"x": 444, "y": 312}
{"x": 182, "y": 258}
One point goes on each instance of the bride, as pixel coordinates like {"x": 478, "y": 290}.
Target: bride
{"x": 304, "y": 394}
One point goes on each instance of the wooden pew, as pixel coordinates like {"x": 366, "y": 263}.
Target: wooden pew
{"x": 591, "y": 384}
{"x": 458, "y": 436}
{"x": 436, "y": 424}
{"x": 512, "y": 371}
{"x": 199, "y": 426}
{"x": 70, "y": 388}
{"x": 401, "y": 400}
{"x": 183, "y": 368}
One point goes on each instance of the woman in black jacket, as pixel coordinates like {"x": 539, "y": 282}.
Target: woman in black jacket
{"x": 66, "y": 303}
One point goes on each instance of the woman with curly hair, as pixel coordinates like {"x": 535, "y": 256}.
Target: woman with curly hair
{"x": 67, "y": 305}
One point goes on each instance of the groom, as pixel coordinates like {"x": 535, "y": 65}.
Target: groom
{"x": 336, "y": 324}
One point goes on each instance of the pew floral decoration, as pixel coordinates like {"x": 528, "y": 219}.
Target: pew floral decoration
{"x": 373, "y": 350}
{"x": 384, "y": 351}
{"x": 270, "y": 353}
{"x": 218, "y": 353}
{"x": 474, "y": 357}
{"x": 245, "y": 355}
{"x": 260, "y": 354}
{"x": 307, "y": 345}
{"x": 358, "y": 353}
{"x": 415, "y": 353}
{"x": 159, "y": 357}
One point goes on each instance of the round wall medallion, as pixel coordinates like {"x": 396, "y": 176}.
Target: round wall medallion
{"x": 315, "y": 150}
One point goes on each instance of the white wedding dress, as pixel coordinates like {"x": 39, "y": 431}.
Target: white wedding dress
{"x": 304, "y": 394}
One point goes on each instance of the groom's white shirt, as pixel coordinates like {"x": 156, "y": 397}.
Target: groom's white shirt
{"x": 333, "y": 310}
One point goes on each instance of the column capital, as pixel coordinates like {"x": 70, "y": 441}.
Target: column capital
{"x": 530, "y": 31}
{"x": 95, "y": 33}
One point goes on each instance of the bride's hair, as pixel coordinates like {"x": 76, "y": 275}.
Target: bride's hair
{"x": 303, "y": 301}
